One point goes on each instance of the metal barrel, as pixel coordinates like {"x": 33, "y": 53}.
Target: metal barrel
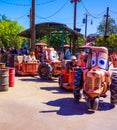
{"x": 4, "y": 73}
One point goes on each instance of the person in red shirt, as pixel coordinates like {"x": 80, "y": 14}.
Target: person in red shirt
{"x": 37, "y": 52}
{"x": 82, "y": 59}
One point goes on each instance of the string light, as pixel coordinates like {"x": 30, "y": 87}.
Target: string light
{"x": 17, "y": 4}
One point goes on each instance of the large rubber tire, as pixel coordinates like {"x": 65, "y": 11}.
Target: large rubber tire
{"x": 113, "y": 88}
{"x": 60, "y": 81}
{"x": 95, "y": 103}
{"x": 78, "y": 83}
{"x": 16, "y": 71}
{"x": 45, "y": 71}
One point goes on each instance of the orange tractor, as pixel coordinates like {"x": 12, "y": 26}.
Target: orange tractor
{"x": 24, "y": 67}
{"x": 50, "y": 65}
{"x": 113, "y": 85}
{"x": 66, "y": 78}
{"x": 95, "y": 79}
{"x": 46, "y": 68}
{"x": 67, "y": 74}
{"x": 113, "y": 58}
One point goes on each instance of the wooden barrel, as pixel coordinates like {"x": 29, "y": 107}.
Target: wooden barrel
{"x": 2, "y": 65}
{"x": 4, "y": 73}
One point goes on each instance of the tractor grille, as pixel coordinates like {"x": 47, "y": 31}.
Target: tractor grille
{"x": 96, "y": 83}
{"x": 90, "y": 84}
{"x": 58, "y": 68}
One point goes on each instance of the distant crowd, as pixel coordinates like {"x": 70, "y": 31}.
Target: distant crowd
{"x": 66, "y": 54}
{"x": 13, "y": 50}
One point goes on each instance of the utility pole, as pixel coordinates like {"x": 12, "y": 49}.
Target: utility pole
{"x": 30, "y": 17}
{"x": 74, "y": 24}
{"x": 85, "y": 22}
{"x": 32, "y": 25}
{"x": 75, "y": 9}
{"x": 86, "y": 25}
{"x": 106, "y": 25}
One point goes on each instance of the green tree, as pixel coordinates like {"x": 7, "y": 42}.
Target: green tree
{"x": 9, "y": 31}
{"x": 3, "y": 18}
{"x": 55, "y": 40}
{"x": 111, "y": 42}
{"x": 112, "y": 27}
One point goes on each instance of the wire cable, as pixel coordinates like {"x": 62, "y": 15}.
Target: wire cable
{"x": 57, "y": 10}
{"x": 113, "y": 11}
{"x": 43, "y": 18}
{"x": 48, "y": 2}
{"x": 20, "y": 17}
{"x": 89, "y": 12}
{"x": 14, "y": 4}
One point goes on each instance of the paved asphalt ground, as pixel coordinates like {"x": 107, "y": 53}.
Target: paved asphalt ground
{"x": 33, "y": 104}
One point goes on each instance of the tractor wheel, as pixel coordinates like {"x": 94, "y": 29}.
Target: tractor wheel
{"x": 89, "y": 103}
{"x": 78, "y": 82}
{"x": 16, "y": 71}
{"x": 45, "y": 71}
{"x": 60, "y": 81}
{"x": 95, "y": 103}
{"x": 113, "y": 88}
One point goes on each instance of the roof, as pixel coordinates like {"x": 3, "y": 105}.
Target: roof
{"x": 49, "y": 27}
{"x": 41, "y": 44}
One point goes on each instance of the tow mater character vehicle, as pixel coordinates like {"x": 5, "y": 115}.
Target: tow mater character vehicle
{"x": 95, "y": 78}
{"x": 113, "y": 58}
{"x": 50, "y": 65}
{"x": 113, "y": 85}
{"x": 67, "y": 75}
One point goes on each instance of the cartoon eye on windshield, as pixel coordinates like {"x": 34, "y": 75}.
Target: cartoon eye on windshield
{"x": 93, "y": 61}
{"x": 102, "y": 63}
{"x": 52, "y": 56}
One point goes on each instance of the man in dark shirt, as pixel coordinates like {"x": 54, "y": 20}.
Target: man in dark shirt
{"x": 72, "y": 64}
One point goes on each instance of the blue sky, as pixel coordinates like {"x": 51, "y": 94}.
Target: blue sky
{"x": 60, "y": 11}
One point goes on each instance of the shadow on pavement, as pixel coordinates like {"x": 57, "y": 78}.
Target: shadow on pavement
{"x": 104, "y": 106}
{"x": 69, "y": 107}
{"x": 37, "y": 79}
{"x": 58, "y": 90}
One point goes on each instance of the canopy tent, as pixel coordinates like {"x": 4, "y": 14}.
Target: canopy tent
{"x": 49, "y": 27}
{"x": 42, "y": 29}
{"x": 41, "y": 44}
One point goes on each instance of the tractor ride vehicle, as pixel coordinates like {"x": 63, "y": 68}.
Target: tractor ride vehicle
{"x": 67, "y": 74}
{"x": 95, "y": 78}
{"x": 113, "y": 70}
{"x": 50, "y": 65}
{"x": 25, "y": 67}
{"x": 66, "y": 78}
{"x": 113, "y": 58}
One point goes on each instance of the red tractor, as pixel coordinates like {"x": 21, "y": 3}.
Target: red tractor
{"x": 96, "y": 78}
